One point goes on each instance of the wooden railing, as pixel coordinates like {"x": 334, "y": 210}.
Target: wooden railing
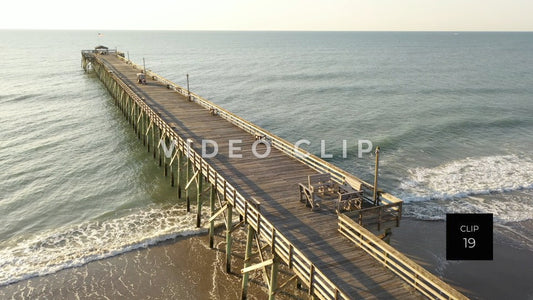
{"x": 91, "y": 51}
{"x": 383, "y": 214}
{"x": 419, "y": 278}
{"x": 318, "y": 283}
{"x": 338, "y": 175}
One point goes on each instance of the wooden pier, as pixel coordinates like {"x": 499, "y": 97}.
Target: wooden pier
{"x": 332, "y": 252}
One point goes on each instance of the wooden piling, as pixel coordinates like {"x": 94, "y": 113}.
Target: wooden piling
{"x": 212, "y": 195}
{"x": 187, "y": 179}
{"x": 247, "y": 258}
{"x": 178, "y": 180}
{"x": 171, "y": 175}
{"x": 144, "y": 132}
{"x": 159, "y": 148}
{"x": 133, "y": 116}
{"x": 146, "y": 139}
{"x": 165, "y": 171}
{"x": 273, "y": 279}
{"x": 153, "y": 140}
{"x": 199, "y": 199}
{"x": 140, "y": 123}
{"x": 229, "y": 224}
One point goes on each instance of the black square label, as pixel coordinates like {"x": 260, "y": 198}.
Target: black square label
{"x": 469, "y": 236}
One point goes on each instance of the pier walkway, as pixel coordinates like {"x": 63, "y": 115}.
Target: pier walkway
{"x": 332, "y": 255}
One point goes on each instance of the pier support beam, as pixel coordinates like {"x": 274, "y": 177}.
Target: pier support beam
{"x": 164, "y": 139}
{"x": 147, "y": 140}
{"x": 171, "y": 174}
{"x": 228, "y": 237}
{"x": 187, "y": 179}
{"x": 247, "y": 258}
{"x": 175, "y": 153}
{"x": 178, "y": 179}
{"x": 133, "y": 114}
{"x": 144, "y": 131}
{"x": 159, "y": 141}
{"x": 199, "y": 199}
{"x": 140, "y": 123}
{"x": 212, "y": 195}
{"x": 153, "y": 140}
{"x": 273, "y": 279}
{"x": 188, "y": 172}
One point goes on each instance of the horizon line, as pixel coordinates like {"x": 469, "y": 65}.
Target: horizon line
{"x": 255, "y": 30}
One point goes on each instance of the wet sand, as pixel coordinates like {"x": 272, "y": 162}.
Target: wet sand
{"x": 182, "y": 268}
{"x": 508, "y": 276}
{"x": 185, "y": 268}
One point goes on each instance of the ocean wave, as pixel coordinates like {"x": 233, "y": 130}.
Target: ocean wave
{"x": 459, "y": 186}
{"x": 18, "y": 97}
{"x": 459, "y": 126}
{"x": 505, "y": 208}
{"x": 474, "y": 91}
{"x": 74, "y": 246}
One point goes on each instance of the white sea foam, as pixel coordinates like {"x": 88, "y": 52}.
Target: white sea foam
{"x": 62, "y": 248}
{"x": 459, "y": 186}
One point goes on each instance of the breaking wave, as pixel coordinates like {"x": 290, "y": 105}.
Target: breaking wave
{"x": 460, "y": 186}
{"x": 74, "y": 246}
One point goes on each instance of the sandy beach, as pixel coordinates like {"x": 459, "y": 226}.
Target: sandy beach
{"x": 185, "y": 268}
{"x": 182, "y": 268}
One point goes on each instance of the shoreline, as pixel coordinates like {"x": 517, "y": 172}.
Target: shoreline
{"x": 185, "y": 267}
{"x": 180, "y": 268}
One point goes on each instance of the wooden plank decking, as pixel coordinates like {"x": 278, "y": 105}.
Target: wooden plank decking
{"x": 273, "y": 181}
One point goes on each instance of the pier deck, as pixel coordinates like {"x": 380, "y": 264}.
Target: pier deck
{"x": 273, "y": 182}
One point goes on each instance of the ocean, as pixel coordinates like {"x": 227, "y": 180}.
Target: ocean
{"x": 451, "y": 111}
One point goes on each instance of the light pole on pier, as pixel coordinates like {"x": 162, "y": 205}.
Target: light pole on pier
{"x": 376, "y": 177}
{"x": 188, "y": 90}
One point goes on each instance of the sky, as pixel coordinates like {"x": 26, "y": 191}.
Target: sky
{"x": 312, "y": 15}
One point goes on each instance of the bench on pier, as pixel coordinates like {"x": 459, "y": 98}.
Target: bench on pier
{"x": 321, "y": 189}
{"x": 349, "y": 201}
